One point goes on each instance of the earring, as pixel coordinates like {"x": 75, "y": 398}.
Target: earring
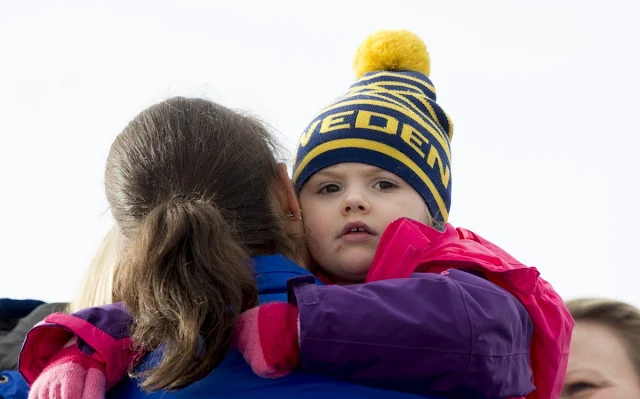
{"x": 291, "y": 215}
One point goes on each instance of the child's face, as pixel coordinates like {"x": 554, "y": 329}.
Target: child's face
{"x": 346, "y": 208}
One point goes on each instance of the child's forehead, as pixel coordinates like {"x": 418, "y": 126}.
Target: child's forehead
{"x": 350, "y": 168}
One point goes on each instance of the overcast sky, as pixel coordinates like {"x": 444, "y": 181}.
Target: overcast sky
{"x": 543, "y": 96}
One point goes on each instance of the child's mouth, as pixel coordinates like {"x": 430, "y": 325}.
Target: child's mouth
{"x": 356, "y": 231}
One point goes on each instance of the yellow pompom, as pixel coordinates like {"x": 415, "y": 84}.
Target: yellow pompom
{"x": 392, "y": 50}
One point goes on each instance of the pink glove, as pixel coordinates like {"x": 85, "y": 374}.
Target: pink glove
{"x": 71, "y": 374}
{"x": 267, "y": 337}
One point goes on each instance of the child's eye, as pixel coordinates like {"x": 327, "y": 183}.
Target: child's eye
{"x": 579, "y": 387}
{"x": 330, "y": 188}
{"x": 385, "y": 185}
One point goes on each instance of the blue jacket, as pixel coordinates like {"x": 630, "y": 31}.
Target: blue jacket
{"x": 12, "y": 385}
{"x": 233, "y": 378}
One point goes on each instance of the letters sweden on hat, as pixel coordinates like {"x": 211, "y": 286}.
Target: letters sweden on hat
{"x": 378, "y": 122}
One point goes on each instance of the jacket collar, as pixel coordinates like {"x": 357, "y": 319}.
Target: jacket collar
{"x": 273, "y": 271}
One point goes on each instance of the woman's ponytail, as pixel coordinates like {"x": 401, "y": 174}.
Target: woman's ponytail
{"x": 185, "y": 278}
{"x": 191, "y": 185}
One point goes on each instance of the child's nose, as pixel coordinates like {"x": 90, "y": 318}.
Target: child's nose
{"x": 355, "y": 202}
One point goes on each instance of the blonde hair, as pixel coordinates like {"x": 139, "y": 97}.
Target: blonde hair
{"x": 620, "y": 317}
{"x": 96, "y": 288}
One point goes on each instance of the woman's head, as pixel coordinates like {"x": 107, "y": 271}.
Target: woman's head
{"x": 196, "y": 191}
{"x": 604, "y": 360}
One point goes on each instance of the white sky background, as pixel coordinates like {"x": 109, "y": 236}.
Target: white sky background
{"x": 543, "y": 96}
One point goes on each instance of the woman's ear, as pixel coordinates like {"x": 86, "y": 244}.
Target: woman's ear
{"x": 289, "y": 209}
{"x": 286, "y": 195}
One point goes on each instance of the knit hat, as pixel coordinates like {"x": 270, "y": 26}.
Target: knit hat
{"x": 389, "y": 118}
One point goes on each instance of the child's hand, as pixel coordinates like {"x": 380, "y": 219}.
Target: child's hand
{"x": 267, "y": 337}
{"x": 71, "y": 374}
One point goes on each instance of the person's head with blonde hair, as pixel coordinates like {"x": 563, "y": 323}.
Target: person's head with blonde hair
{"x": 96, "y": 288}
{"x": 604, "y": 360}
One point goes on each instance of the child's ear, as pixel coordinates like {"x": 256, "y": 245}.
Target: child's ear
{"x": 286, "y": 195}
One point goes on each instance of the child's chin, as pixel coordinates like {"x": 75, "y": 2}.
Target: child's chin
{"x": 356, "y": 267}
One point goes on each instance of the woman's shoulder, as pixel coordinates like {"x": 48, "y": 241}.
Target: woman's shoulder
{"x": 234, "y": 379}
{"x": 272, "y": 273}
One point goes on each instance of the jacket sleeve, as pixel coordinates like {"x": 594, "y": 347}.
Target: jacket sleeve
{"x": 453, "y": 332}
{"x": 100, "y": 332}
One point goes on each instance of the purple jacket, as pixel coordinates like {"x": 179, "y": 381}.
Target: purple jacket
{"x": 457, "y": 334}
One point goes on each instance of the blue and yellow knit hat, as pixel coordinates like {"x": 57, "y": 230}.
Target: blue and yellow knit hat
{"x": 389, "y": 118}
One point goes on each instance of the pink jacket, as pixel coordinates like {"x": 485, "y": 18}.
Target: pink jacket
{"x": 410, "y": 246}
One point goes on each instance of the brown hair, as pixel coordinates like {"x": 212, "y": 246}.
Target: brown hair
{"x": 189, "y": 183}
{"x": 620, "y": 317}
